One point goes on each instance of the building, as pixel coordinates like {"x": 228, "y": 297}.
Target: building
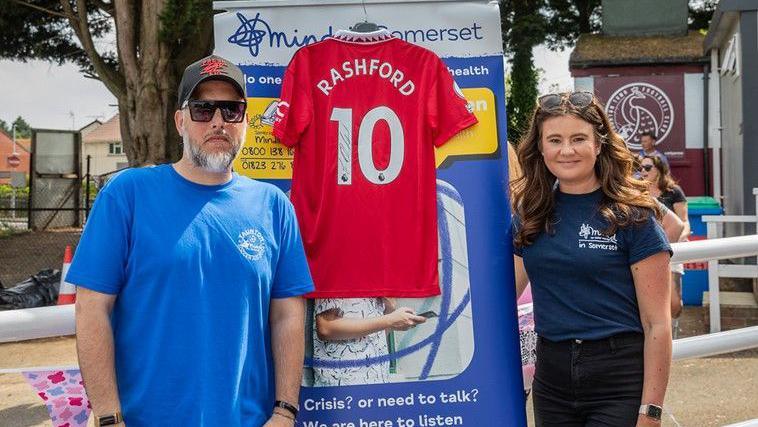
{"x": 22, "y": 149}
{"x": 103, "y": 144}
{"x": 651, "y": 74}
{"x": 732, "y": 46}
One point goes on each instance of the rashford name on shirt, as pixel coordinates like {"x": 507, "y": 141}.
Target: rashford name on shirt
{"x": 367, "y": 67}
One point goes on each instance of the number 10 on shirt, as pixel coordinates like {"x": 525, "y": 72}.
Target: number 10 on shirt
{"x": 344, "y": 118}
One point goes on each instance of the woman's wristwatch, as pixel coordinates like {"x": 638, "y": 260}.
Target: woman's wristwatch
{"x": 652, "y": 411}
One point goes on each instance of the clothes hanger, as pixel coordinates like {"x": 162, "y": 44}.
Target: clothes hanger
{"x": 364, "y": 26}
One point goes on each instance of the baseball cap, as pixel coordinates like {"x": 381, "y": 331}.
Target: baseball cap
{"x": 210, "y": 68}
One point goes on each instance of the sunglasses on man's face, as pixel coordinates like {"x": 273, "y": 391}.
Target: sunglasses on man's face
{"x": 203, "y": 111}
{"x": 577, "y": 99}
{"x": 646, "y": 168}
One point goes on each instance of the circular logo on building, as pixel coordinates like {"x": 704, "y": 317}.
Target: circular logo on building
{"x": 640, "y": 107}
{"x": 251, "y": 244}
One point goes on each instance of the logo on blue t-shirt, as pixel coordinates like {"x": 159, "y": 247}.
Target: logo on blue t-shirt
{"x": 251, "y": 244}
{"x": 593, "y": 238}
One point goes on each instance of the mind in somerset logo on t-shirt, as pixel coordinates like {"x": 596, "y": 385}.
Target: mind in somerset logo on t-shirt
{"x": 592, "y": 238}
{"x": 251, "y": 244}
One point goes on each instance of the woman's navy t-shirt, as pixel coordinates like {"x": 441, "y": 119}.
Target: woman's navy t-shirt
{"x": 582, "y": 285}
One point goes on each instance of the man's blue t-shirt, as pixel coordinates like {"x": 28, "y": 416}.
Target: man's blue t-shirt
{"x": 582, "y": 285}
{"x": 194, "y": 268}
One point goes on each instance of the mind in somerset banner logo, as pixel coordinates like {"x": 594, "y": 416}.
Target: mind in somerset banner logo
{"x": 640, "y": 107}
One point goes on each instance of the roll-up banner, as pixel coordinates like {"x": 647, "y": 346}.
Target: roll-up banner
{"x": 462, "y": 367}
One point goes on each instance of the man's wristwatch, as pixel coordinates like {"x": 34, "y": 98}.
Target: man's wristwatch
{"x": 287, "y": 407}
{"x": 109, "y": 420}
{"x": 651, "y": 411}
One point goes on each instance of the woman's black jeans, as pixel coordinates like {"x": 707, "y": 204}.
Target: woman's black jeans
{"x": 589, "y": 383}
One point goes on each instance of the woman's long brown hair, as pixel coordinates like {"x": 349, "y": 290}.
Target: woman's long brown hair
{"x": 625, "y": 201}
{"x": 665, "y": 182}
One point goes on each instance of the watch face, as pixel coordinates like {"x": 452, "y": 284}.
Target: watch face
{"x": 654, "y": 412}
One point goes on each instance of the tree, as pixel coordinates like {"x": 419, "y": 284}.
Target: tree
{"x": 23, "y": 130}
{"x": 154, "y": 41}
{"x": 567, "y": 19}
{"x": 700, "y": 14}
{"x": 524, "y": 27}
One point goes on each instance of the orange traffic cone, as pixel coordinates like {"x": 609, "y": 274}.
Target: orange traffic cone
{"x": 67, "y": 291}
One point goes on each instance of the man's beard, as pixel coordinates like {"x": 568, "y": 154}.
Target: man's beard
{"x": 217, "y": 162}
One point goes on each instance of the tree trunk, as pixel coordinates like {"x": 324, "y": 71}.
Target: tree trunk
{"x": 152, "y": 67}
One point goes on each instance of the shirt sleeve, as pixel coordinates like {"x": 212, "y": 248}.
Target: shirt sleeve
{"x": 101, "y": 256}
{"x": 292, "y": 275}
{"x": 447, "y": 109}
{"x": 678, "y": 195}
{"x": 294, "y": 110}
{"x": 646, "y": 239}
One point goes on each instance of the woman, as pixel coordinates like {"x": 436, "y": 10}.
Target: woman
{"x": 663, "y": 187}
{"x": 587, "y": 237}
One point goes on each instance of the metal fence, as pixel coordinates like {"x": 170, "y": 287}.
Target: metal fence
{"x": 37, "y": 223}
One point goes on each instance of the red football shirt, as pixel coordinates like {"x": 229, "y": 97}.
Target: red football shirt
{"x": 364, "y": 112}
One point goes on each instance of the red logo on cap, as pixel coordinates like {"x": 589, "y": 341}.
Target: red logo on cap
{"x": 213, "y": 66}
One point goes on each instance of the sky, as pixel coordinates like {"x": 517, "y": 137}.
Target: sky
{"x": 46, "y": 95}
{"x": 49, "y": 96}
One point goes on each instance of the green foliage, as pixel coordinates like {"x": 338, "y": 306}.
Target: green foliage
{"x": 524, "y": 26}
{"x": 23, "y": 130}
{"x": 6, "y": 191}
{"x": 523, "y": 97}
{"x": 567, "y": 19}
{"x": 41, "y": 33}
{"x": 93, "y": 190}
{"x": 181, "y": 20}
{"x": 701, "y": 12}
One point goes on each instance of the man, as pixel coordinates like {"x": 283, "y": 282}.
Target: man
{"x": 188, "y": 309}
{"x": 647, "y": 140}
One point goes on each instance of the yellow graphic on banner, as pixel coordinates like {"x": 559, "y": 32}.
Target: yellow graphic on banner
{"x": 262, "y": 157}
{"x": 478, "y": 139}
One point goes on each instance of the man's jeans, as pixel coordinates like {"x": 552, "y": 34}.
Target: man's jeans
{"x": 589, "y": 383}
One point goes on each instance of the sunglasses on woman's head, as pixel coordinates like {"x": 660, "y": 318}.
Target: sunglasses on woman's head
{"x": 203, "y": 111}
{"x": 577, "y": 99}
{"x": 647, "y": 168}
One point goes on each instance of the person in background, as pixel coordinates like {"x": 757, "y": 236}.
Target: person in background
{"x": 647, "y": 140}
{"x": 663, "y": 187}
{"x": 598, "y": 262}
{"x": 356, "y": 329}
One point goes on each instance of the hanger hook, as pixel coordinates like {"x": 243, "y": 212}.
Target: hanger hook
{"x": 365, "y": 14}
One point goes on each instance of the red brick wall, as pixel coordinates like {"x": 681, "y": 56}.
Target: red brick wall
{"x": 6, "y": 148}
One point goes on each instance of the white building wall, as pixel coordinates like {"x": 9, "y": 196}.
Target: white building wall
{"x": 694, "y": 104}
{"x": 731, "y": 136}
{"x": 102, "y": 161}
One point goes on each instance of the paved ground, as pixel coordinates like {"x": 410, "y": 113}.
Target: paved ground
{"x": 702, "y": 392}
